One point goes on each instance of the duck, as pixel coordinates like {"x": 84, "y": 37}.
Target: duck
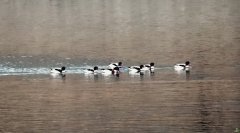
{"x": 91, "y": 71}
{"x": 136, "y": 69}
{"x": 58, "y": 70}
{"x": 148, "y": 67}
{"x": 183, "y": 66}
{"x": 114, "y": 71}
{"x": 113, "y": 65}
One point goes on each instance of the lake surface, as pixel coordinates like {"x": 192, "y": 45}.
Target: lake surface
{"x": 80, "y": 34}
{"x": 163, "y": 102}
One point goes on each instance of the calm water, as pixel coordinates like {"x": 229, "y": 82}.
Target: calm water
{"x": 164, "y": 102}
{"x": 79, "y": 34}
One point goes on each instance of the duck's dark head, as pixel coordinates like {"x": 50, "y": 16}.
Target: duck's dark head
{"x": 152, "y": 64}
{"x": 119, "y": 63}
{"x": 141, "y": 66}
{"x": 63, "y": 68}
{"x": 187, "y": 62}
{"x": 95, "y": 68}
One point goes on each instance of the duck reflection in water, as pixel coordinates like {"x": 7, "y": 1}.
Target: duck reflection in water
{"x": 188, "y": 75}
{"x": 94, "y": 77}
{"x": 185, "y": 73}
{"x": 58, "y": 76}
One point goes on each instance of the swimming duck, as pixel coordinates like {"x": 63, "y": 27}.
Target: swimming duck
{"x": 58, "y": 70}
{"x": 114, "y": 71}
{"x": 182, "y": 66}
{"x": 91, "y": 71}
{"x": 136, "y": 69}
{"x": 113, "y": 65}
{"x": 148, "y": 67}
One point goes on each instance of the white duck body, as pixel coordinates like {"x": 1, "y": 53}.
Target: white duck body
{"x": 107, "y": 72}
{"x": 148, "y": 67}
{"x": 136, "y": 74}
{"x": 57, "y": 70}
{"x": 113, "y": 65}
{"x": 182, "y": 66}
{"x": 91, "y": 71}
{"x": 136, "y": 69}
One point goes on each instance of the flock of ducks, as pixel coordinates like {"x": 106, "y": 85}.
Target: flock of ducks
{"x": 116, "y": 68}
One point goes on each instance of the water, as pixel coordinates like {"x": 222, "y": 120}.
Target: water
{"x": 125, "y": 104}
{"x": 79, "y": 34}
{"x": 32, "y": 100}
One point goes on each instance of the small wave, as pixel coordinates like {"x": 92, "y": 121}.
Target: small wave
{"x": 41, "y": 70}
{"x": 23, "y": 65}
{"x": 46, "y": 70}
{"x": 22, "y": 71}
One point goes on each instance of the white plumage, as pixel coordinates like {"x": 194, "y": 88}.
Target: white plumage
{"x": 136, "y": 69}
{"x": 91, "y": 71}
{"x": 58, "y": 70}
{"x": 182, "y": 66}
{"x": 114, "y": 71}
{"x": 113, "y": 65}
{"x": 148, "y": 67}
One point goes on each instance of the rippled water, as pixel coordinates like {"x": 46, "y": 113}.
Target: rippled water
{"x": 32, "y": 100}
{"x": 78, "y": 103}
{"x": 79, "y": 34}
